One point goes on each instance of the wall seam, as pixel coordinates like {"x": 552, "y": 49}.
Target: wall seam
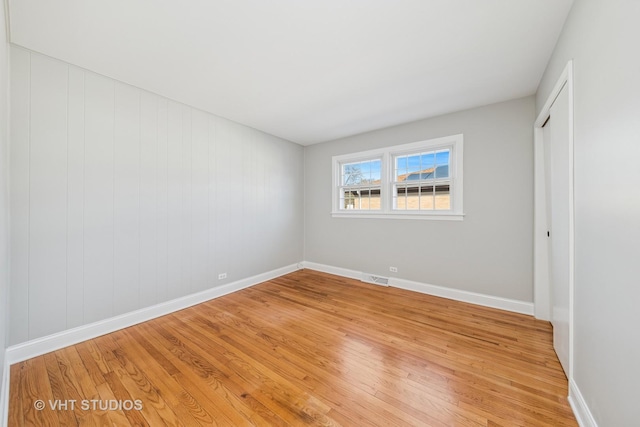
{"x": 66, "y": 300}
{"x": 29, "y": 204}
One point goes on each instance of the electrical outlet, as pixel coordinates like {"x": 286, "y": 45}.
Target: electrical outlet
{"x": 222, "y": 276}
{"x": 393, "y": 269}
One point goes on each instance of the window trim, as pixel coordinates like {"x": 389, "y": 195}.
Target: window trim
{"x": 387, "y": 154}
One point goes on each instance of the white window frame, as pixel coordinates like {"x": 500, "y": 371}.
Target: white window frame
{"x": 454, "y": 143}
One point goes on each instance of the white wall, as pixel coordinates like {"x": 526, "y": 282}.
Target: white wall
{"x": 122, "y": 199}
{"x": 490, "y": 252}
{"x": 4, "y": 192}
{"x": 602, "y": 39}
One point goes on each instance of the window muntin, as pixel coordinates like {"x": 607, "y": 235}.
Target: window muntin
{"x": 360, "y": 185}
{"x": 420, "y": 180}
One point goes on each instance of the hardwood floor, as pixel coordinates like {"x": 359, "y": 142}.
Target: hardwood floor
{"x": 306, "y": 348}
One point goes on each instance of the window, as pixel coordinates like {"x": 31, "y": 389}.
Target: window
{"x": 360, "y": 185}
{"x": 418, "y": 180}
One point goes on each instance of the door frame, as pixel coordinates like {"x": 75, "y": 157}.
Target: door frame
{"x": 541, "y": 285}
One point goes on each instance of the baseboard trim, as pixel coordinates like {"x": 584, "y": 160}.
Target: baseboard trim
{"x": 515, "y": 306}
{"x": 512, "y": 305}
{"x": 579, "y": 405}
{"x": 338, "y": 271}
{"x": 39, "y": 346}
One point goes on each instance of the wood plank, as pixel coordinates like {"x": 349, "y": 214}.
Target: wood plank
{"x": 37, "y": 394}
{"x": 78, "y": 385}
{"x": 16, "y": 405}
{"x": 310, "y": 348}
{"x": 66, "y": 416}
{"x": 117, "y": 418}
{"x": 154, "y": 409}
{"x": 186, "y": 407}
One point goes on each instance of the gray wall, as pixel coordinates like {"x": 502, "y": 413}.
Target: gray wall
{"x": 4, "y": 190}
{"x": 602, "y": 37}
{"x": 122, "y": 199}
{"x": 490, "y": 252}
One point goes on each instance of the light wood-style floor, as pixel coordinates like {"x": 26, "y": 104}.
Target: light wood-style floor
{"x": 307, "y": 348}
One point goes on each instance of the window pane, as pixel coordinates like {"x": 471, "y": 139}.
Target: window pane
{"x": 400, "y": 197}
{"x": 442, "y": 164}
{"x": 401, "y": 166}
{"x": 360, "y": 199}
{"x": 427, "y": 162}
{"x": 443, "y": 197}
{"x": 361, "y": 173}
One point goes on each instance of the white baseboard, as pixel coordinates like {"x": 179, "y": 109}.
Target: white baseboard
{"x": 36, "y": 347}
{"x": 579, "y": 406}
{"x": 516, "y": 306}
{"x": 507, "y": 304}
{"x": 344, "y": 272}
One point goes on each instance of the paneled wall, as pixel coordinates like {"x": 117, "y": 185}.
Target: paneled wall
{"x": 122, "y": 199}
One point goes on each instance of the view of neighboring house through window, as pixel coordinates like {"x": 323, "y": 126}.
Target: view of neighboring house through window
{"x": 361, "y": 185}
{"x": 421, "y": 180}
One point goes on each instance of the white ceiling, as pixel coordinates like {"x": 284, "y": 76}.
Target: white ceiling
{"x": 305, "y": 70}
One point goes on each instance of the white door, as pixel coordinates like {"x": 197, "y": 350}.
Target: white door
{"x": 558, "y": 195}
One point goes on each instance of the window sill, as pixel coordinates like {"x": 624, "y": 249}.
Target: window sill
{"x": 445, "y": 216}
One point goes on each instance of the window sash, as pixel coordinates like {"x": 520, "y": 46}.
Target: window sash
{"x": 420, "y": 167}
{"x": 419, "y": 200}
{"x": 372, "y": 203}
{"x": 425, "y": 196}
{"x": 365, "y": 181}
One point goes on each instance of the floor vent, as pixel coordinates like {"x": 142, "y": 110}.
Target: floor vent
{"x": 376, "y": 280}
